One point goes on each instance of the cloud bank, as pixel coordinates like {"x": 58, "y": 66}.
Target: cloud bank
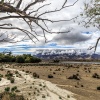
{"x": 79, "y": 37}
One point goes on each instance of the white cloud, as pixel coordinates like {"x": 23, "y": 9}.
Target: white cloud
{"x": 76, "y": 39}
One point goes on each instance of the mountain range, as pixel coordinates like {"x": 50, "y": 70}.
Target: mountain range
{"x": 66, "y": 54}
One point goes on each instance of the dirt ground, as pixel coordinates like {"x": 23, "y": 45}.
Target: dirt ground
{"x": 85, "y": 88}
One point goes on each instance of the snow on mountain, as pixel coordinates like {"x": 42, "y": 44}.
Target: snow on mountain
{"x": 66, "y": 54}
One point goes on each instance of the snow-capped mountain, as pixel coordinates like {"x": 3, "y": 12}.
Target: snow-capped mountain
{"x": 70, "y": 54}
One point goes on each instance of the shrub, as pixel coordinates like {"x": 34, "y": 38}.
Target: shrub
{"x": 17, "y": 90}
{"x": 50, "y": 76}
{"x": 0, "y": 79}
{"x": 60, "y": 97}
{"x": 7, "y": 89}
{"x": 9, "y": 74}
{"x": 82, "y": 86}
{"x": 12, "y": 80}
{"x": 68, "y": 96}
{"x": 27, "y": 71}
{"x": 16, "y": 72}
{"x": 1, "y": 69}
{"x": 54, "y": 73}
{"x": 14, "y": 88}
{"x": 12, "y": 94}
{"x": 56, "y": 61}
{"x": 1, "y": 75}
{"x": 20, "y": 59}
{"x": 95, "y": 75}
{"x": 77, "y": 77}
{"x": 30, "y": 87}
{"x": 98, "y": 88}
{"x": 8, "y": 78}
{"x": 34, "y": 60}
{"x": 35, "y": 75}
{"x": 29, "y": 93}
{"x": 43, "y": 96}
{"x": 27, "y": 60}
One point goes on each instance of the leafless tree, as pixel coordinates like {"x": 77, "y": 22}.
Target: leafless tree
{"x": 16, "y": 10}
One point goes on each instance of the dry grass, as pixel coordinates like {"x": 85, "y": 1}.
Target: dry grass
{"x": 7, "y": 96}
{"x": 85, "y": 88}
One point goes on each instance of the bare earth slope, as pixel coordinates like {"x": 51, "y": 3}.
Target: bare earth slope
{"x": 36, "y": 89}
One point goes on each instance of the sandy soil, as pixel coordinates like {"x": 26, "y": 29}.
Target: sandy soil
{"x": 36, "y": 89}
{"x": 83, "y": 89}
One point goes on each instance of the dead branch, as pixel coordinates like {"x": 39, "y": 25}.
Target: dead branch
{"x": 5, "y": 37}
{"x": 29, "y": 16}
{"x": 95, "y": 46}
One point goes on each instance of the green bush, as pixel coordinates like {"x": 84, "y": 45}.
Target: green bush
{"x": 27, "y": 58}
{"x": 7, "y": 89}
{"x": 34, "y": 60}
{"x": 20, "y": 59}
{"x": 1, "y": 75}
{"x": 12, "y": 94}
{"x": 13, "y": 88}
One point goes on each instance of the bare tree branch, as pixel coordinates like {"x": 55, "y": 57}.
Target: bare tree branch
{"x": 95, "y": 46}
{"x": 32, "y": 18}
{"x": 19, "y": 3}
{"x": 91, "y": 17}
{"x": 10, "y": 38}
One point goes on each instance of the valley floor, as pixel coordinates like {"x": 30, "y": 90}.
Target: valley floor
{"x": 82, "y": 87}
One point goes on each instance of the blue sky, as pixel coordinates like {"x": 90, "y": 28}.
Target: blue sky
{"x": 79, "y": 37}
